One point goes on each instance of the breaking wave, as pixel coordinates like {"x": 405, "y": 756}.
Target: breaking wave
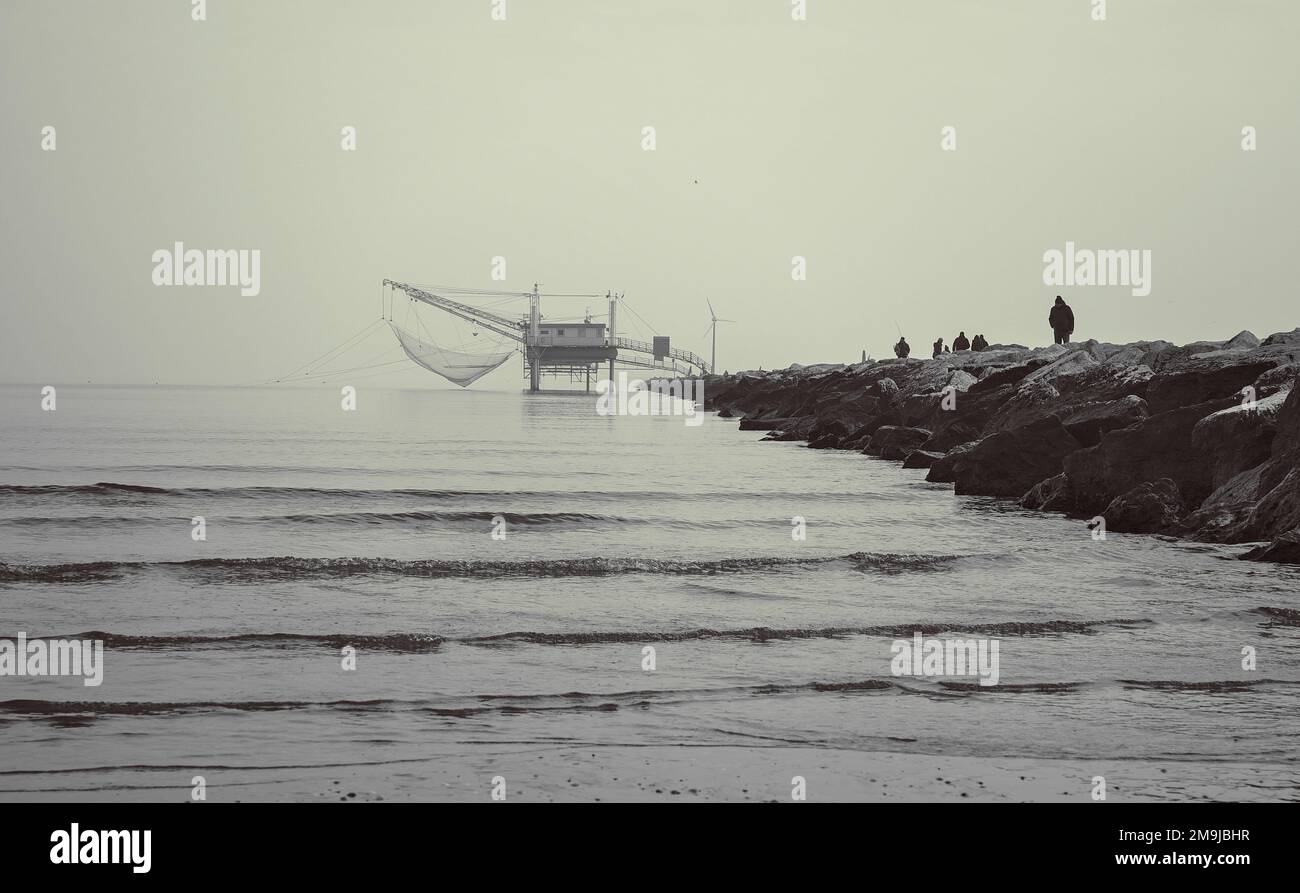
{"x": 339, "y": 519}
{"x": 466, "y": 706}
{"x": 1280, "y": 616}
{"x": 110, "y": 493}
{"x": 411, "y": 642}
{"x": 404, "y": 642}
{"x": 284, "y": 568}
{"x": 1219, "y": 686}
{"x": 767, "y": 634}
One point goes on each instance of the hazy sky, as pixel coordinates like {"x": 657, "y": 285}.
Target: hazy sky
{"x": 522, "y": 139}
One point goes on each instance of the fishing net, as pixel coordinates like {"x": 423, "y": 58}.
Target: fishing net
{"x": 456, "y": 366}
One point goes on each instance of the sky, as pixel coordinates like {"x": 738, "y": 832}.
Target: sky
{"x": 523, "y": 139}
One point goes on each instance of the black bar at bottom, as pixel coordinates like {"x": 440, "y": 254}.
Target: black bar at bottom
{"x": 334, "y": 841}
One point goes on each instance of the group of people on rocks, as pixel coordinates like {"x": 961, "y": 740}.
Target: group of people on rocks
{"x": 1061, "y": 319}
{"x": 961, "y": 342}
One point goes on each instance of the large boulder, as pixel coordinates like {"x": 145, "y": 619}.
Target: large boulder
{"x": 1286, "y": 445}
{"x": 1278, "y": 508}
{"x": 1139, "y": 353}
{"x": 751, "y": 424}
{"x": 827, "y": 435}
{"x": 1206, "y": 378}
{"x": 957, "y": 431}
{"x": 1031, "y": 402}
{"x": 967, "y": 421}
{"x": 895, "y": 442}
{"x": 1073, "y": 363}
{"x": 930, "y": 409}
{"x": 1223, "y": 514}
{"x": 1153, "y": 507}
{"x": 792, "y": 429}
{"x": 1272, "y": 490}
{"x": 858, "y": 438}
{"x": 960, "y": 381}
{"x": 917, "y": 410}
{"x": 850, "y": 408}
{"x": 1238, "y": 438}
{"x": 1243, "y": 340}
{"x": 1008, "y": 463}
{"x": 884, "y": 389}
{"x": 1262, "y": 502}
{"x": 1088, "y": 421}
{"x": 1067, "y": 394}
{"x": 1045, "y": 493}
{"x": 1275, "y": 380}
{"x": 1218, "y": 352}
{"x": 1159, "y": 447}
{"x": 1291, "y": 337}
{"x": 944, "y": 470}
{"x": 996, "y": 377}
{"x": 921, "y": 459}
{"x": 1285, "y": 549}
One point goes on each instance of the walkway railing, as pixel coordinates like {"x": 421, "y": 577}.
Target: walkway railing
{"x": 685, "y": 356}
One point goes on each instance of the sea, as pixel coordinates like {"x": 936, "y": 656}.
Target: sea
{"x": 468, "y": 595}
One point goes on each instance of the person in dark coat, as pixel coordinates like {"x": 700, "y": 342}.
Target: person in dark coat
{"x": 1061, "y": 319}
{"x": 902, "y": 349}
{"x": 961, "y": 342}
{"x": 939, "y": 348}
{"x": 979, "y": 343}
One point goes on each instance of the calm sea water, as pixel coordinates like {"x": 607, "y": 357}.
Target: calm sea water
{"x": 478, "y": 656}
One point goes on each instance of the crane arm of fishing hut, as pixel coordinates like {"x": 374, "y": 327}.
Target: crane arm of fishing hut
{"x": 589, "y": 345}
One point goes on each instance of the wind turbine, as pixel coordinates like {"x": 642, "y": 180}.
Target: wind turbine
{"x": 713, "y": 327}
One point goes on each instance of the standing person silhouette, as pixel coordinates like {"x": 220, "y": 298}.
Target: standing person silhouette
{"x": 1061, "y": 319}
